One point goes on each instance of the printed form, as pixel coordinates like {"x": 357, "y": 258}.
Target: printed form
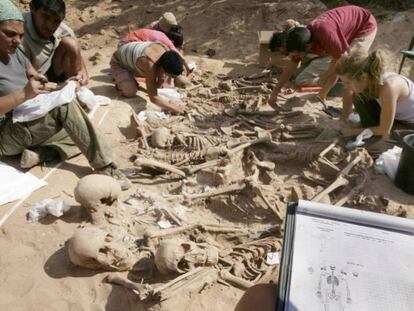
{"x": 341, "y": 266}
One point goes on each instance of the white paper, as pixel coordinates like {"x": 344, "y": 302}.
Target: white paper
{"x": 347, "y": 266}
{"x": 15, "y": 185}
{"x": 273, "y": 258}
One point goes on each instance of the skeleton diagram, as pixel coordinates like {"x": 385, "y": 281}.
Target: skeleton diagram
{"x": 333, "y": 289}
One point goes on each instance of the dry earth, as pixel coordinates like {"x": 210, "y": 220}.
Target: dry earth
{"x": 36, "y": 273}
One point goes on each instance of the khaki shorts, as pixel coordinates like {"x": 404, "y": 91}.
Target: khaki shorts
{"x": 309, "y": 75}
{"x": 363, "y": 43}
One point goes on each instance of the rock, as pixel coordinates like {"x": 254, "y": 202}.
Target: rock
{"x": 96, "y": 58}
{"x": 211, "y": 52}
{"x": 204, "y": 93}
{"x": 85, "y": 46}
{"x": 225, "y": 99}
{"x": 225, "y": 86}
{"x": 25, "y": 1}
{"x": 182, "y": 82}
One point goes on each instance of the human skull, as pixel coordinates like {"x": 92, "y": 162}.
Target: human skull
{"x": 98, "y": 194}
{"x": 162, "y": 138}
{"x": 94, "y": 248}
{"x": 179, "y": 257}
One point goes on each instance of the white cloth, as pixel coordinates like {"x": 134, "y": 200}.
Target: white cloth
{"x": 40, "y": 105}
{"x": 359, "y": 140}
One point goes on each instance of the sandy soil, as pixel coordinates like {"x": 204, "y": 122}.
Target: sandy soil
{"x": 36, "y": 272}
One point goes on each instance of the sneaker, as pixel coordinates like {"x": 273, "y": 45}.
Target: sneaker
{"x": 29, "y": 159}
{"x": 115, "y": 173}
{"x": 32, "y": 158}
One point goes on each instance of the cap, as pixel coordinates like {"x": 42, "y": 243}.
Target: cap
{"x": 166, "y": 21}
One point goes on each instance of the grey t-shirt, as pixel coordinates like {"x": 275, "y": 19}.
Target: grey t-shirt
{"x": 13, "y": 74}
{"x": 38, "y": 50}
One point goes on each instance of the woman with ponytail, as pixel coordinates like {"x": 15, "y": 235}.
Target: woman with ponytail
{"x": 383, "y": 100}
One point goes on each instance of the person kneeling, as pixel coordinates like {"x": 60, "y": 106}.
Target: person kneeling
{"x": 153, "y": 61}
{"x": 383, "y": 100}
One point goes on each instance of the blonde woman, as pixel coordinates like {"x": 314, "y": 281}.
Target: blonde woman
{"x": 383, "y": 100}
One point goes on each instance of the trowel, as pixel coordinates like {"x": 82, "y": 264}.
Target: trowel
{"x": 330, "y": 110}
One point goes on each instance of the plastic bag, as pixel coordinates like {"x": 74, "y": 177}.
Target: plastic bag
{"x": 40, "y": 105}
{"x": 91, "y": 100}
{"x": 144, "y": 115}
{"x": 170, "y": 94}
{"x": 55, "y": 207}
{"x": 87, "y": 97}
{"x": 192, "y": 66}
{"x": 387, "y": 162}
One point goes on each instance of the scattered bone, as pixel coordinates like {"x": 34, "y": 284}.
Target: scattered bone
{"x": 248, "y": 260}
{"x": 191, "y": 281}
{"x": 182, "y": 157}
{"x": 172, "y": 216}
{"x": 294, "y": 153}
{"x": 182, "y": 82}
{"x": 194, "y": 87}
{"x": 257, "y": 113}
{"x": 301, "y": 192}
{"x": 272, "y": 207}
{"x": 299, "y": 131}
{"x": 243, "y": 146}
{"x": 260, "y": 88}
{"x": 185, "y": 229}
{"x": 353, "y": 191}
{"x": 140, "y": 129}
{"x": 209, "y": 194}
{"x": 144, "y": 291}
{"x": 225, "y": 86}
{"x": 329, "y": 148}
{"x": 162, "y": 138}
{"x": 265, "y": 73}
{"x": 141, "y": 161}
{"x": 339, "y": 182}
{"x": 208, "y": 164}
{"x": 240, "y": 282}
{"x": 270, "y": 166}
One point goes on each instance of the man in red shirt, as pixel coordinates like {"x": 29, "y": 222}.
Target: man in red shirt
{"x": 333, "y": 33}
